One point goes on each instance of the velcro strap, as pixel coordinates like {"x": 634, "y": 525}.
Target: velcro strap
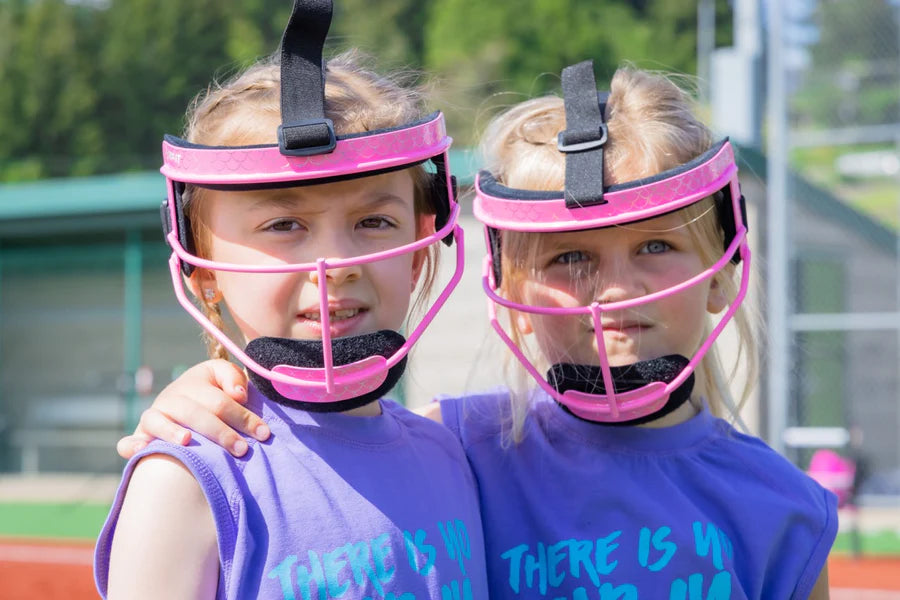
{"x": 304, "y": 129}
{"x": 584, "y": 137}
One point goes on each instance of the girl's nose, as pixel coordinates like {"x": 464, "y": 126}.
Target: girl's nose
{"x": 336, "y": 245}
{"x": 338, "y": 275}
{"x": 616, "y": 282}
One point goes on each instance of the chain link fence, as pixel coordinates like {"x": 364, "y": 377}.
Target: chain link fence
{"x": 837, "y": 81}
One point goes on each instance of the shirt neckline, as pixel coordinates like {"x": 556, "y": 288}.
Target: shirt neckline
{"x": 376, "y": 430}
{"x": 633, "y": 438}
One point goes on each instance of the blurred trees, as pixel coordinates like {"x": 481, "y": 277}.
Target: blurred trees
{"x": 498, "y": 53}
{"x": 48, "y": 97}
{"x": 90, "y": 86}
{"x": 392, "y": 30}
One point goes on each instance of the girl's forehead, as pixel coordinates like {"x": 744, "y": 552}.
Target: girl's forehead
{"x": 387, "y": 188}
{"x": 671, "y": 223}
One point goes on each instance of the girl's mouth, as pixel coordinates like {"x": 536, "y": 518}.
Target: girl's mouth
{"x": 342, "y": 322}
{"x": 629, "y": 327}
{"x": 333, "y": 316}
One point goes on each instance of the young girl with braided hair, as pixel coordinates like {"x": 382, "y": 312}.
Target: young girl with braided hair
{"x": 300, "y": 202}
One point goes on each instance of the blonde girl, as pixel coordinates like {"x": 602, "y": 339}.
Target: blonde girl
{"x": 617, "y": 254}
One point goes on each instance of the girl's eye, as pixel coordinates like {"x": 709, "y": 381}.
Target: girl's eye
{"x": 283, "y": 225}
{"x": 655, "y": 247}
{"x": 376, "y": 223}
{"x": 571, "y": 257}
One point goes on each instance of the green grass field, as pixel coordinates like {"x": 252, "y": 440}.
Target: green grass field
{"x": 56, "y": 521}
{"x": 880, "y": 543}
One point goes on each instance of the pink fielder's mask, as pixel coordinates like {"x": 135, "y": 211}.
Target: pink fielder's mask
{"x": 327, "y": 374}
{"x": 647, "y": 389}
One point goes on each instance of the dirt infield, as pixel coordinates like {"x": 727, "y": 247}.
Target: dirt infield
{"x": 21, "y": 582}
{"x": 872, "y": 573}
{"x": 62, "y": 569}
{"x": 46, "y": 569}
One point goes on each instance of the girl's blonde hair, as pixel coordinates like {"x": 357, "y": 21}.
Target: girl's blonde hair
{"x": 246, "y": 110}
{"x": 652, "y": 128}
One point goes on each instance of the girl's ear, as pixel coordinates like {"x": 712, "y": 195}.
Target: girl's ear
{"x": 717, "y": 299}
{"x": 203, "y": 286}
{"x": 418, "y": 263}
{"x": 424, "y": 226}
{"x": 523, "y": 323}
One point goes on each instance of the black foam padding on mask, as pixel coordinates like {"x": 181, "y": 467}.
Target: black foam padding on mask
{"x": 725, "y": 214}
{"x": 182, "y": 224}
{"x": 437, "y": 195}
{"x": 588, "y": 379}
{"x": 496, "y": 247}
{"x": 272, "y": 351}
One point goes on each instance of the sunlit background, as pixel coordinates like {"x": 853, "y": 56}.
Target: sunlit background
{"x": 90, "y": 330}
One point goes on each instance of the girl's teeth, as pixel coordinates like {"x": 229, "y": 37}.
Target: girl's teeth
{"x": 344, "y": 314}
{"x": 337, "y": 315}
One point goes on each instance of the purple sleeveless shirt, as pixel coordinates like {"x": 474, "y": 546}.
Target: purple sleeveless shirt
{"x": 333, "y": 506}
{"x": 584, "y": 511}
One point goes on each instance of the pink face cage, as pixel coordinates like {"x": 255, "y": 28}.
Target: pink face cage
{"x": 505, "y": 209}
{"x": 309, "y": 152}
{"x": 251, "y": 167}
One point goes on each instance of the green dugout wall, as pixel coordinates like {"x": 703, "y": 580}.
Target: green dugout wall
{"x": 89, "y": 327}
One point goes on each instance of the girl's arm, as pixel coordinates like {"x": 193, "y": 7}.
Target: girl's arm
{"x": 820, "y": 590}
{"x": 207, "y": 398}
{"x": 432, "y": 411}
{"x": 165, "y": 539}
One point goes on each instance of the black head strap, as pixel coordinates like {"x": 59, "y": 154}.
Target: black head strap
{"x": 437, "y": 193}
{"x": 304, "y": 130}
{"x": 584, "y": 137}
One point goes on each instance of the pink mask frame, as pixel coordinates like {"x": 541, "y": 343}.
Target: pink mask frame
{"x": 635, "y": 201}
{"x": 353, "y": 154}
{"x": 256, "y": 166}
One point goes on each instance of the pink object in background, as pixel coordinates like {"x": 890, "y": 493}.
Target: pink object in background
{"x": 833, "y": 472}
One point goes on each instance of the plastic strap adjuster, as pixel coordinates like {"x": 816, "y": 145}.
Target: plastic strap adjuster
{"x": 306, "y": 137}
{"x": 578, "y": 141}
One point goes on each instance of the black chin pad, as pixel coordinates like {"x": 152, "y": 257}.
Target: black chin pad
{"x": 271, "y": 352}
{"x": 588, "y": 379}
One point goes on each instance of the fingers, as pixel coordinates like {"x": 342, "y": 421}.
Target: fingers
{"x": 154, "y": 424}
{"x": 207, "y": 398}
{"x": 228, "y": 377}
{"x": 130, "y": 445}
{"x": 219, "y": 418}
{"x": 216, "y": 386}
{"x": 208, "y": 411}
